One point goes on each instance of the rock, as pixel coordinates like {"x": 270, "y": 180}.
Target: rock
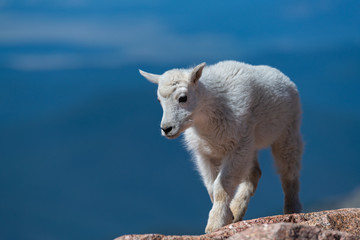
{"x": 290, "y": 231}
{"x": 345, "y": 220}
{"x": 157, "y": 237}
{"x": 333, "y": 224}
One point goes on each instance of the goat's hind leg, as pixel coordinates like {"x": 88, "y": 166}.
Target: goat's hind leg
{"x": 245, "y": 191}
{"x": 287, "y": 151}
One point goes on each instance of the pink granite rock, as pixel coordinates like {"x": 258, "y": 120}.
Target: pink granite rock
{"x": 333, "y": 224}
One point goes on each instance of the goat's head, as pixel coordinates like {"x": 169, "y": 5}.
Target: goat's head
{"x": 178, "y": 96}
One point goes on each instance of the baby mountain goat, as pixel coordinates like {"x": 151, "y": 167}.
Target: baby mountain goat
{"x": 228, "y": 111}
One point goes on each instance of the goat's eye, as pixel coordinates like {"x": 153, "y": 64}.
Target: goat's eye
{"x": 183, "y": 99}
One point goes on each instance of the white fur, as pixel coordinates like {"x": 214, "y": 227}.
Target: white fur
{"x": 232, "y": 110}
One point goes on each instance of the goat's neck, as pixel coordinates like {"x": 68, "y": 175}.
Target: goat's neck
{"x": 208, "y": 114}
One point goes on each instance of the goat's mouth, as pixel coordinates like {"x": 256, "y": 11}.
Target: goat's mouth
{"x": 173, "y": 136}
{"x": 180, "y": 130}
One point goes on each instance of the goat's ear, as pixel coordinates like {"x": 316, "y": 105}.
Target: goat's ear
{"x": 154, "y": 78}
{"x": 196, "y": 73}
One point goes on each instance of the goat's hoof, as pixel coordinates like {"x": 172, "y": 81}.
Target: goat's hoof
{"x": 218, "y": 217}
{"x": 212, "y": 227}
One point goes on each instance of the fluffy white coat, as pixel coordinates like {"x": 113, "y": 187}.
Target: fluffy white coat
{"x": 228, "y": 111}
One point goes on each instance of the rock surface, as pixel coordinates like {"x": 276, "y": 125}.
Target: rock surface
{"x": 289, "y": 231}
{"x": 333, "y": 224}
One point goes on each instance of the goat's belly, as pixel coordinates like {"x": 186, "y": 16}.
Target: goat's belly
{"x": 263, "y": 143}
{"x": 266, "y": 135}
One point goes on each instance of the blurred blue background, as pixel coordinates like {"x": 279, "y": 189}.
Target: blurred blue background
{"x": 80, "y": 148}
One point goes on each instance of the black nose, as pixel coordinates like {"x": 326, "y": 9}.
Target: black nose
{"x": 167, "y": 130}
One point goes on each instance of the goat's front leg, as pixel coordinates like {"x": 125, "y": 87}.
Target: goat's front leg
{"x": 234, "y": 166}
{"x": 208, "y": 171}
{"x": 244, "y": 191}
